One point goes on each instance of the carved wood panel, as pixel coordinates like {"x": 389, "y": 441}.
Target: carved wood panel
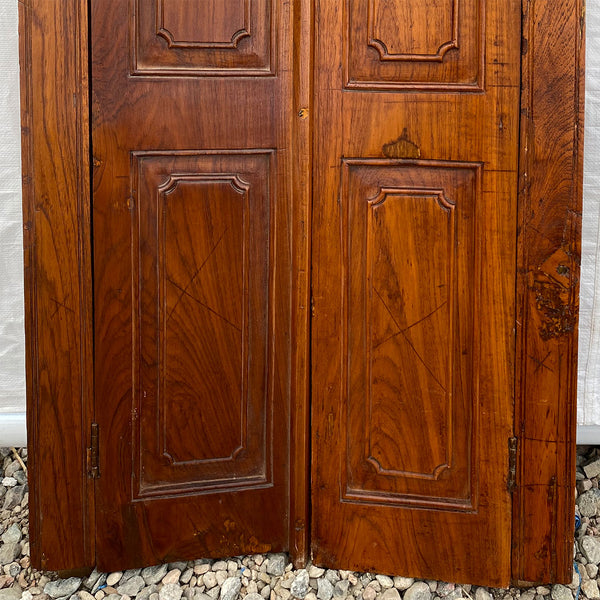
{"x": 202, "y": 38}
{"x": 426, "y": 45}
{"x": 203, "y": 250}
{"x": 412, "y": 296}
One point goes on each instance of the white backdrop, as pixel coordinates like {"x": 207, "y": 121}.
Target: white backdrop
{"x": 12, "y": 379}
{"x": 588, "y": 405}
{"x": 12, "y": 339}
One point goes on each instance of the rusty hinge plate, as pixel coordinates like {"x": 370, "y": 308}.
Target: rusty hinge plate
{"x": 93, "y": 468}
{"x": 511, "y": 480}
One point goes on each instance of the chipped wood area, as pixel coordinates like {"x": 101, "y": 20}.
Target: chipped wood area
{"x": 548, "y": 288}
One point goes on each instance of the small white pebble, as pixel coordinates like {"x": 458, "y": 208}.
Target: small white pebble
{"x": 9, "y": 482}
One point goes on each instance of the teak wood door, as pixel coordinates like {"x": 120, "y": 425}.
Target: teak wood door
{"x": 192, "y": 277}
{"x": 413, "y": 339}
{"x": 328, "y": 252}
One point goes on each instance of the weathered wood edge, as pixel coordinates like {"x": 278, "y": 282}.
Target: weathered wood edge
{"x": 548, "y": 288}
{"x": 58, "y": 279}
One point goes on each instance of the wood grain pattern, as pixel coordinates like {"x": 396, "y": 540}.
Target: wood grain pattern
{"x": 548, "y": 265}
{"x": 386, "y": 47}
{"x": 302, "y": 139}
{"x": 175, "y": 38}
{"x": 58, "y": 284}
{"x": 389, "y": 527}
{"x": 411, "y": 291}
{"x": 193, "y": 236}
{"x": 202, "y": 320}
{"x": 188, "y": 24}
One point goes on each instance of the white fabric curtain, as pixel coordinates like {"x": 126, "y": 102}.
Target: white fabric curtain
{"x": 12, "y": 338}
{"x": 588, "y": 401}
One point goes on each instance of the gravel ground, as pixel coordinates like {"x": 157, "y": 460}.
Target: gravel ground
{"x": 270, "y": 576}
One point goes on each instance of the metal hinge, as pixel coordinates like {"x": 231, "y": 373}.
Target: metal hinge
{"x": 93, "y": 468}
{"x": 511, "y": 480}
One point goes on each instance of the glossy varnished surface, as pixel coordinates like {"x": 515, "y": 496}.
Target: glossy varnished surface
{"x": 192, "y": 232}
{"x": 409, "y": 130}
{"x": 413, "y": 281}
{"x": 58, "y": 280}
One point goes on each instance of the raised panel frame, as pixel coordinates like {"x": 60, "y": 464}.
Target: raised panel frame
{"x": 249, "y": 465}
{"x": 415, "y": 71}
{"x": 57, "y": 234}
{"x": 371, "y": 181}
{"x": 155, "y": 51}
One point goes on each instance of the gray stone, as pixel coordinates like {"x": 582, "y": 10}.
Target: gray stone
{"x": 9, "y": 552}
{"x": 178, "y": 565}
{"x": 172, "y": 576}
{"x": 219, "y": 565}
{"x": 592, "y": 469}
{"x": 482, "y": 594}
{"x": 210, "y": 580}
{"x": 14, "y": 497}
{"x": 300, "y": 585}
{"x": 403, "y": 583}
{"x": 418, "y": 591}
{"x": 131, "y": 586}
{"x": 445, "y": 589}
{"x": 454, "y": 594}
{"x": 590, "y": 588}
{"x": 170, "y": 591}
{"x": 21, "y": 477}
{"x": 13, "y": 593}
{"x": 332, "y": 575}
{"x": 253, "y": 596}
{"x": 590, "y": 548}
{"x": 113, "y": 578}
{"x": 277, "y": 563}
{"x": 130, "y": 573}
{"x": 12, "y": 534}
{"x": 385, "y": 581}
{"x": 575, "y": 581}
{"x": 324, "y": 589}
{"x": 186, "y": 575}
{"x": 589, "y": 503}
{"x": 147, "y": 591}
{"x": 154, "y": 574}
{"x": 62, "y": 587}
{"x": 90, "y": 581}
{"x": 390, "y": 594}
{"x": 231, "y": 588}
{"x": 314, "y": 572}
{"x": 561, "y": 592}
{"x": 591, "y": 569}
{"x": 287, "y": 580}
{"x": 101, "y": 581}
{"x": 341, "y": 588}
{"x": 214, "y": 592}
{"x": 369, "y": 593}
{"x": 201, "y": 569}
